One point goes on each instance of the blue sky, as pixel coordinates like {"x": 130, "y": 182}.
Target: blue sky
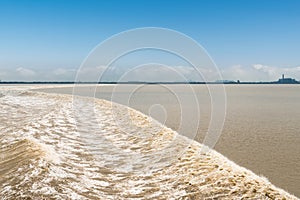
{"x": 248, "y": 39}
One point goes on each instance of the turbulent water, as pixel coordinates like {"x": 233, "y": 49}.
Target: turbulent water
{"x": 57, "y": 147}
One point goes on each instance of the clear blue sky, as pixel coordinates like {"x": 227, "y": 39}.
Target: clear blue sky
{"x": 50, "y": 34}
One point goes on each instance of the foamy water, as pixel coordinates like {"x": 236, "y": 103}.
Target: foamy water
{"x": 99, "y": 150}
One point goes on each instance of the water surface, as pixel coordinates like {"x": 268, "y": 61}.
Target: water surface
{"x": 261, "y": 131}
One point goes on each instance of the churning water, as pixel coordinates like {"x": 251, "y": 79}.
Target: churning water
{"x": 102, "y": 150}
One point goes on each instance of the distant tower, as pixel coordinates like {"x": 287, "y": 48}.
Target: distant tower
{"x": 282, "y": 76}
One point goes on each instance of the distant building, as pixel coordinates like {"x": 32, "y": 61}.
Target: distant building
{"x": 284, "y": 80}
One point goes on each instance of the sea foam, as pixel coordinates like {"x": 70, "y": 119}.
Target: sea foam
{"x": 53, "y": 147}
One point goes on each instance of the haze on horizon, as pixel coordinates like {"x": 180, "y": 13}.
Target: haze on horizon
{"x": 248, "y": 40}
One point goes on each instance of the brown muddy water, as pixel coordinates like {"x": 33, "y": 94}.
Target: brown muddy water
{"x": 261, "y": 130}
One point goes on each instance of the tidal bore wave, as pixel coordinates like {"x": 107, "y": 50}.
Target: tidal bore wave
{"x": 57, "y": 147}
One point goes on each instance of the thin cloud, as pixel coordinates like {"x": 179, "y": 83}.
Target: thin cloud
{"x": 25, "y": 72}
{"x": 152, "y": 72}
{"x": 259, "y": 72}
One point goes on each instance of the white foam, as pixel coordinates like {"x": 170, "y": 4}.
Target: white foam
{"x": 121, "y": 160}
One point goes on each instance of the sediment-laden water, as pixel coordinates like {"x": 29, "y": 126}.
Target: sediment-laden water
{"x": 57, "y": 147}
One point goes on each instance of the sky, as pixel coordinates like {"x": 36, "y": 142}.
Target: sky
{"x": 249, "y": 40}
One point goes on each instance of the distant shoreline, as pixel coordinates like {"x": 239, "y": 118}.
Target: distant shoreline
{"x": 137, "y": 82}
